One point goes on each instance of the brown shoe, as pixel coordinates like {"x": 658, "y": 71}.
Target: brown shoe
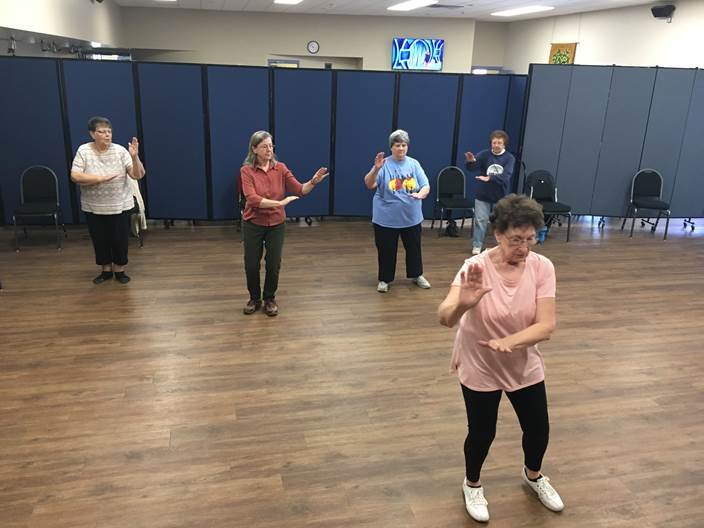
{"x": 270, "y": 308}
{"x": 252, "y": 306}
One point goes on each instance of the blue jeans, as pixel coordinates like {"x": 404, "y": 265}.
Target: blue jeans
{"x": 481, "y": 221}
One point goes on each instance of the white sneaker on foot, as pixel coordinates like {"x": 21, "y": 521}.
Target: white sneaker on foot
{"x": 475, "y": 502}
{"x": 476, "y": 250}
{"x": 422, "y": 282}
{"x": 382, "y": 287}
{"x": 546, "y": 493}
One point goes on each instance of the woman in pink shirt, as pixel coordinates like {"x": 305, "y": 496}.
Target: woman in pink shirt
{"x": 504, "y": 301}
{"x": 265, "y": 182}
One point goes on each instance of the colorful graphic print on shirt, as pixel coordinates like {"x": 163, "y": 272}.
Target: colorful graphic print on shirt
{"x": 403, "y": 183}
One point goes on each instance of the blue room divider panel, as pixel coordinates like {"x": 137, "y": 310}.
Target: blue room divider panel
{"x": 581, "y": 142}
{"x": 514, "y": 110}
{"x": 547, "y": 105}
{"x": 483, "y": 110}
{"x": 622, "y": 145}
{"x": 174, "y": 146}
{"x": 31, "y": 129}
{"x": 426, "y": 110}
{"x": 114, "y": 100}
{"x": 302, "y": 115}
{"x": 688, "y": 196}
{"x": 363, "y": 124}
{"x": 666, "y": 125}
{"x": 238, "y": 100}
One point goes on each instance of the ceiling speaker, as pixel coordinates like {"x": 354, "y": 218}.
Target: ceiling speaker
{"x": 663, "y": 11}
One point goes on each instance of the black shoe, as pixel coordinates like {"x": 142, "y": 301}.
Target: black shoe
{"x": 104, "y": 276}
{"x": 121, "y": 277}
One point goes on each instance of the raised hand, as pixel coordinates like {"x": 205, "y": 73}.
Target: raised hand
{"x": 471, "y": 287}
{"x": 469, "y": 156}
{"x": 288, "y": 200}
{"x": 319, "y": 175}
{"x": 133, "y": 147}
{"x": 497, "y": 345}
{"x": 379, "y": 161}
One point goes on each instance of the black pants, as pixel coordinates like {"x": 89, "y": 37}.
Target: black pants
{"x": 386, "y": 239}
{"x": 256, "y": 238}
{"x": 531, "y": 406}
{"x": 110, "y": 236}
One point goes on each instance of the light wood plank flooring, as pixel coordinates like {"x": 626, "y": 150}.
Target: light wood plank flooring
{"x": 159, "y": 405}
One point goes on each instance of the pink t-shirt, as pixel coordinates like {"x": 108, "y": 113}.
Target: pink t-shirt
{"x": 507, "y": 309}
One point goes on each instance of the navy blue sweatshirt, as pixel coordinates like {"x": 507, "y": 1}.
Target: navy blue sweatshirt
{"x": 500, "y": 171}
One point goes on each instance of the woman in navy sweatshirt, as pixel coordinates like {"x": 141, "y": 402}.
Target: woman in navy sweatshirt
{"x": 494, "y": 182}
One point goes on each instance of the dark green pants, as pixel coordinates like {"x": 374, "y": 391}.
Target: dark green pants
{"x": 256, "y": 238}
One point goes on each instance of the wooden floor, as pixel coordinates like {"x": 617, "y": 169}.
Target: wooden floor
{"x": 158, "y": 404}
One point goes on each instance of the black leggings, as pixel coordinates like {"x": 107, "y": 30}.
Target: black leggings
{"x": 531, "y": 406}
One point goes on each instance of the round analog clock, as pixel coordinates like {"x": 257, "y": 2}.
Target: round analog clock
{"x": 313, "y": 46}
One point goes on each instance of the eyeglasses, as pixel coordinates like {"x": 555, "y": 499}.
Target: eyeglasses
{"x": 265, "y": 146}
{"x": 518, "y": 241}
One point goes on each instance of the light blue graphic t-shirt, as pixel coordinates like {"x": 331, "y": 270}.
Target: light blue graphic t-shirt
{"x": 393, "y": 205}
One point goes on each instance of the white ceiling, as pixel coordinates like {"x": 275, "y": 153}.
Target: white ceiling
{"x": 477, "y": 9}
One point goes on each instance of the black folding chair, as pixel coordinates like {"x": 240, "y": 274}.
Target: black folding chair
{"x": 451, "y": 195}
{"x": 39, "y": 198}
{"x": 541, "y": 187}
{"x": 646, "y": 193}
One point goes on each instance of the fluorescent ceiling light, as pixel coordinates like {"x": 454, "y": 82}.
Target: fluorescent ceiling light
{"x": 480, "y": 71}
{"x": 523, "y": 11}
{"x": 96, "y": 45}
{"x": 410, "y": 5}
{"x": 288, "y": 2}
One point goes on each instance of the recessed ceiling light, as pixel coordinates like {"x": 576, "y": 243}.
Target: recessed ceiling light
{"x": 288, "y": 2}
{"x": 523, "y": 11}
{"x": 480, "y": 71}
{"x": 410, "y": 5}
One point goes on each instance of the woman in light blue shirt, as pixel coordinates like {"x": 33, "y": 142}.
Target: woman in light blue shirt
{"x": 400, "y": 184}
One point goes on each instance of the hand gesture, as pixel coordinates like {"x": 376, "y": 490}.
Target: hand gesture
{"x": 471, "y": 287}
{"x": 288, "y": 200}
{"x": 319, "y": 175}
{"x": 379, "y": 161}
{"x": 469, "y": 157}
{"x": 133, "y": 147}
{"x": 109, "y": 177}
{"x": 497, "y": 345}
{"x": 482, "y": 178}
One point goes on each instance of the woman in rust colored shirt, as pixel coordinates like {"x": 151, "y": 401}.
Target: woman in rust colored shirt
{"x": 265, "y": 182}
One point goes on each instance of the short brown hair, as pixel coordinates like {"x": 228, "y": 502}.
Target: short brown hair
{"x": 499, "y": 134}
{"x": 516, "y": 210}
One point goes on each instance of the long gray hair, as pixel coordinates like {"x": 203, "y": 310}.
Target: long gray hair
{"x": 257, "y": 137}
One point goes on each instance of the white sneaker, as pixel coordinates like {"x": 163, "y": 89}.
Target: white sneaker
{"x": 476, "y": 250}
{"x": 382, "y": 287}
{"x": 422, "y": 282}
{"x": 475, "y": 502}
{"x": 546, "y": 493}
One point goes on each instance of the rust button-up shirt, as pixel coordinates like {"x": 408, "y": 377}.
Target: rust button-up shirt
{"x": 273, "y": 184}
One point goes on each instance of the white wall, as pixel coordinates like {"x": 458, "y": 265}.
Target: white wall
{"x": 75, "y": 19}
{"x": 489, "y": 43}
{"x": 627, "y": 37}
{"x": 251, "y": 38}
